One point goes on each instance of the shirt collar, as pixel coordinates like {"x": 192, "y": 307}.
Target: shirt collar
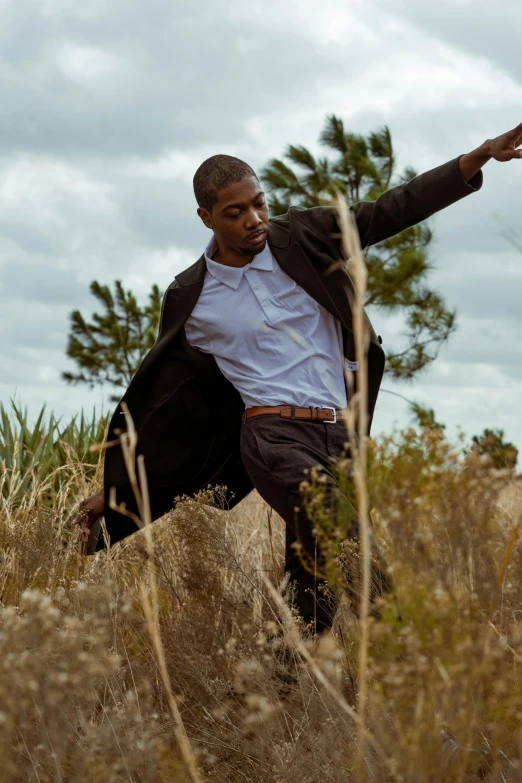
{"x": 231, "y": 275}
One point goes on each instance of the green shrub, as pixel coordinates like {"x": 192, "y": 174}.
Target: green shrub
{"x": 44, "y": 455}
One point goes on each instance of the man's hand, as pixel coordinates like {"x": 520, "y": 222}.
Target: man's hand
{"x": 90, "y": 511}
{"x": 503, "y": 148}
{"x": 507, "y": 146}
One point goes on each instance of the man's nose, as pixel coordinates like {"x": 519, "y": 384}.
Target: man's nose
{"x": 253, "y": 219}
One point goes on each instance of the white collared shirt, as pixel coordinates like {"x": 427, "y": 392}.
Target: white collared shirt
{"x": 270, "y": 339}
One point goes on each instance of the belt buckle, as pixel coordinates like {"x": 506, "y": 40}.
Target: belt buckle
{"x": 334, "y": 412}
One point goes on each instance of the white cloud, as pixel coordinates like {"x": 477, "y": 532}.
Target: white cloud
{"x": 108, "y": 109}
{"x": 160, "y": 266}
{"x": 46, "y": 190}
{"x": 334, "y": 24}
{"x": 87, "y": 64}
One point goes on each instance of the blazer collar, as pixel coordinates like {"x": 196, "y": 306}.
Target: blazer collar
{"x": 195, "y": 274}
{"x": 278, "y": 236}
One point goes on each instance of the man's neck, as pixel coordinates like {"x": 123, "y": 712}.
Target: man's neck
{"x": 230, "y": 258}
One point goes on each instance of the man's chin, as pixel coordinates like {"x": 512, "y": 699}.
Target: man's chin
{"x": 252, "y": 250}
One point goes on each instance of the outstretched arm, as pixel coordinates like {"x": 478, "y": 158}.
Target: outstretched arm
{"x": 428, "y": 193}
{"x": 502, "y": 148}
{"x": 415, "y": 201}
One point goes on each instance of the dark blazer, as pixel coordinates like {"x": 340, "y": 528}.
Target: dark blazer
{"x": 187, "y": 415}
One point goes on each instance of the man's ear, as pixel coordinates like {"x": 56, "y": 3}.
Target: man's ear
{"x": 205, "y": 217}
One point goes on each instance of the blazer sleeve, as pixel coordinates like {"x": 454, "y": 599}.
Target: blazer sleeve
{"x": 400, "y": 207}
{"x": 411, "y": 203}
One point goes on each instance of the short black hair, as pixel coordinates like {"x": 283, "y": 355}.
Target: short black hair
{"x": 217, "y": 173}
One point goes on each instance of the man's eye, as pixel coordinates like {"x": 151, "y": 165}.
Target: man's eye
{"x": 236, "y": 215}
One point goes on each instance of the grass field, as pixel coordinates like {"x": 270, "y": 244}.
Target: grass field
{"x": 90, "y": 645}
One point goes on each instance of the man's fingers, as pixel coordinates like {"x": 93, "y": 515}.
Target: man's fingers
{"x": 90, "y": 511}
{"x": 516, "y": 135}
{"x": 81, "y": 519}
{"x": 85, "y": 523}
{"x": 511, "y": 137}
{"x": 87, "y": 520}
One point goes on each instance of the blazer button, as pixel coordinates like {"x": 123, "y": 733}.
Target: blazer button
{"x": 379, "y": 339}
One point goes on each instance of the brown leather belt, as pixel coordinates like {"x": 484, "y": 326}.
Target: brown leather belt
{"x": 328, "y": 415}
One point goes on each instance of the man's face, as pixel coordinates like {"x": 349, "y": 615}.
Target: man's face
{"x": 239, "y": 218}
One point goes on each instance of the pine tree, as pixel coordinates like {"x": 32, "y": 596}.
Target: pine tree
{"x": 111, "y": 347}
{"x": 503, "y": 454}
{"x": 363, "y": 168}
{"x": 425, "y": 417}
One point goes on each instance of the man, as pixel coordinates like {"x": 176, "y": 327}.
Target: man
{"x": 244, "y": 384}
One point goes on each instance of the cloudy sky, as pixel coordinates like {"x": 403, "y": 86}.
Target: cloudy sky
{"x": 107, "y": 109}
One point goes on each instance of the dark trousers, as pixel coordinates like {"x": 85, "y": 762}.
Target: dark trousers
{"x": 276, "y": 453}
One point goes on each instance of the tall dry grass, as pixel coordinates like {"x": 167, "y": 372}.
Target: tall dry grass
{"x": 83, "y": 698}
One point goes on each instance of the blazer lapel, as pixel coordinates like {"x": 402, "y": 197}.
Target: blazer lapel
{"x": 195, "y": 274}
{"x": 327, "y": 282}
{"x": 179, "y": 303}
{"x": 328, "y": 289}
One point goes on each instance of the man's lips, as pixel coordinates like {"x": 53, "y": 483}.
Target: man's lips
{"x": 257, "y": 237}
